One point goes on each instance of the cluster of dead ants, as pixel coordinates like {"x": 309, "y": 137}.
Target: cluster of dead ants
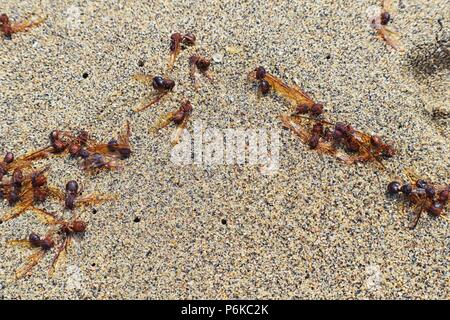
{"x": 422, "y": 196}
{"x": 163, "y": 85}
{"x": 27, "y": 188}
{"x": 347, "y": 144}
{"x": 307, "y": 121}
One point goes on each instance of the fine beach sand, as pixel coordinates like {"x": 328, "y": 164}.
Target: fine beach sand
{"x": 315, "y": 229}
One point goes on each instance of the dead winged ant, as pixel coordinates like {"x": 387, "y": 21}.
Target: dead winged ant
{"x": 176, "y": 42}
{"x": 379, "y": 17}
{"x": 67, "y": 229}
{"x": 302, "y": 102}
{"x": 326, "y": 137}
{"x": 107, "y": 155}
{"x": 41, "y": 245}
{"x": 8, "y": 28}
{"x": 179, "y": 118}
{"x": 10, "y": 163}
{"x": 162, "y": 86}
{"x": 199, "y": 64}
{"x": 61, "y": 143}
{"x": 422, "y": 196}
{"x": 72, "y": 197}
{"x": 24, "y": 191}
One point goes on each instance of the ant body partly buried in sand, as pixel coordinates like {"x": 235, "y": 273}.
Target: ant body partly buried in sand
{"x": 199, "y": 65}
{"x": 25, "y": 190}
{"x": 177, "y": 41}
{"x": 302, "y": 102}
{"x": 326, "y": 137}
{"x": 422, "y": 196}
{"x": 65, "y": 229}
{"x": 179, "y": 118}
{"x": 8, "y": 28}
{"x": 379, "y": 18}
{"x": 161, "y": 85}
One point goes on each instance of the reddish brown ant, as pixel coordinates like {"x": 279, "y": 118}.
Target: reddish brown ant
{"x": 72, "y": 197}
{"x": 67, "y": 229}
{"x": 379, "y": 18}
{"x": 302, "y": 102}
{"x": 422, "y": 196}
{"x": 41, "y": 247}
{"x": 162, "y": 86}
{"x": 325, "y": 137}
{"x": 61, "y": 143}
{"x": 24, "y": 191}
{"x": 199, "y": 64}
{"x": 8, "y": 28}
{"x": 176, "y": 42}
{"x": 107, "y": 155}
{"x": 179, "y": 118}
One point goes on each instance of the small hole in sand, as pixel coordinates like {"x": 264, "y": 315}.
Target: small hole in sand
{"x": 85, "y": 75}
{"x": 93, "y": 264}
{"x": 137, "y": 219}
{"x": 328, "y": 57}
{"x": 94, "y": 211}
{"x": 224, "y": 221}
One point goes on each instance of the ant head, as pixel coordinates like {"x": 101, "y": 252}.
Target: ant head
{"x": 4, "y": 18}
{"x": 203, "y": 64}
{"x": 17, "y": 177}
{"x": 83, "y": 136}
{"x": 34, "y": 238}
{"x": 189, "y": 38}
{"x": 260, "y": 72}
{"x": 9, "y": 157}
{"x": 72, "y": 186}
{"x": 385, "y": 18}
{"x": 158, "y": 82}
{"x": 54, "y": 135}
{"x": 79, "y": 226}
{"x": 13, "y": 198}
{"x": 58, "y": 145}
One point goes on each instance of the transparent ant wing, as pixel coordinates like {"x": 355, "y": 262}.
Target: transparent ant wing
{"x": 56, "y": 193}
{"x": 179, "y": 130}
{"x": 294, "y": 93}
{"x": 95, "y": 199}
{"x": 17, "y": 210}
{"x": 162, "y": 122}
{"x": 143, "y": 78}
{"x": 155, "y": 100}
{"x": 173, "y": 55}
{"x": 32, "y": 260}
{"x": 25, "y": 243}
{"x": 26, "y": 25}
{"x": 45, "y": 216}
{"x": 386, "y": 5}
{"x": 125, "y": 134}
{"x": 61, "y": 253}
{"x": 391, "y": 37}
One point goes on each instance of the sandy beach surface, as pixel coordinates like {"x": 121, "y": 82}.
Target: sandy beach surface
{"x": 316, "y": 228}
